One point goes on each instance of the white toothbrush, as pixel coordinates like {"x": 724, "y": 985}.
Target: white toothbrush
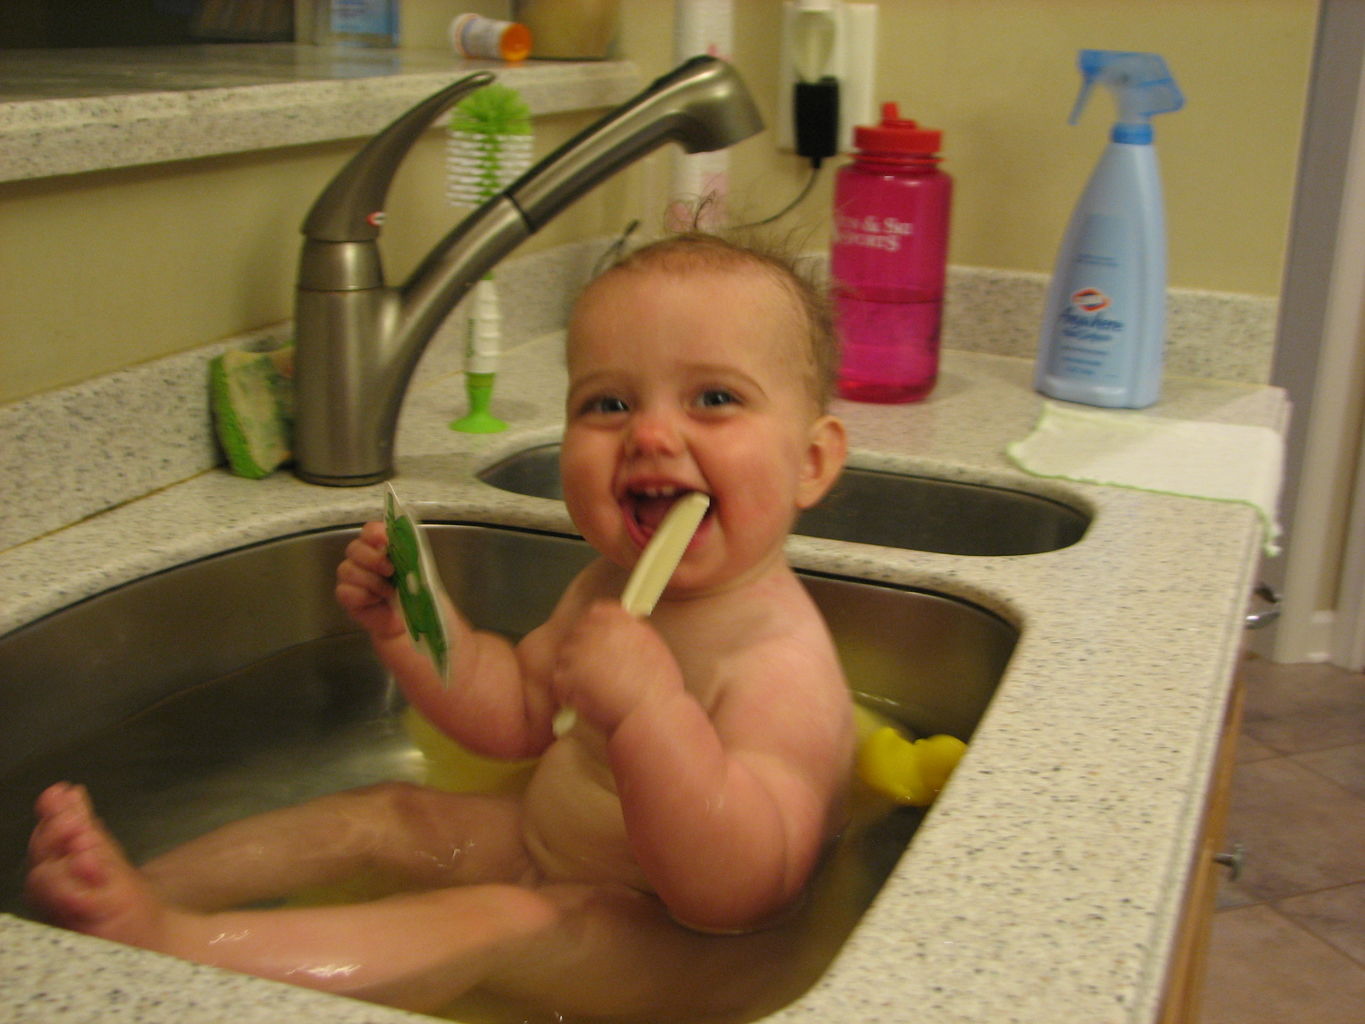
{"x": 655, "y": 568}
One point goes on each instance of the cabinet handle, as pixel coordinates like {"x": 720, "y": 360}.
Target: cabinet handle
{"x": 1233, "y": 861}
{"x": 1261, "y": 619}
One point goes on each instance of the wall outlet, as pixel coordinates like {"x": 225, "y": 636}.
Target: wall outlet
{"x": 852, "y": 60}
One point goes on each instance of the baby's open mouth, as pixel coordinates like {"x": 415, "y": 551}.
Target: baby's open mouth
{"x": 647, "y": 506}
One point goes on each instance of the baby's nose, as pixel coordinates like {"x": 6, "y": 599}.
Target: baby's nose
{"x": 654, "y": 433}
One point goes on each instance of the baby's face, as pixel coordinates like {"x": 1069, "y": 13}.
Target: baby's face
{"x": 691, "y": 381}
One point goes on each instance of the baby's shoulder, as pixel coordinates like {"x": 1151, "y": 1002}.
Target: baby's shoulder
{"x": 778, "y": 626}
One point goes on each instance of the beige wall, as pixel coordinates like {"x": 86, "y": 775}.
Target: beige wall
{"x": 100, "y": 271}
{"x": 104, "y": 270}
{"x": 999, "y": 78}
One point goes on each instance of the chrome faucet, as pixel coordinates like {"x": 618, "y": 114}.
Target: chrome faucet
{"x": 358, "y": 340}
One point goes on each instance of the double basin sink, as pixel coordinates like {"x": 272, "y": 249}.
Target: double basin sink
{"x": 234, "y": 684}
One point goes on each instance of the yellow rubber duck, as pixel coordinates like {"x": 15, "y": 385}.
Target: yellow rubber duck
{"x": 909, "y": 772}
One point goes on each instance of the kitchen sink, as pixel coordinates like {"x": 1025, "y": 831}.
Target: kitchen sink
{"x": 235, "y": 684}
{"x": 897, "y": 510}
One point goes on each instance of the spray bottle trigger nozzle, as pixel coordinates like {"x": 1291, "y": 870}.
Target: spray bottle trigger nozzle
{"x": 1141, "y": 83}
{"x": 1081, "y": 100}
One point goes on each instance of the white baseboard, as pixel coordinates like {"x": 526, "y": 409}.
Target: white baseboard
{"x": 1290, "y": 642}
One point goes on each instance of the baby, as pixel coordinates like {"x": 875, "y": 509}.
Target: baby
{"x": 708, "y": 766}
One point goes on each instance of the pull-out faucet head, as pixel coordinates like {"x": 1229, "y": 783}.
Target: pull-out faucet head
{"x": 701, "y": 105}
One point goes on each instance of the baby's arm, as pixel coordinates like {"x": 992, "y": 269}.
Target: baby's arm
{"x": 493, "y": 704}
{"x": 726, "y": 812}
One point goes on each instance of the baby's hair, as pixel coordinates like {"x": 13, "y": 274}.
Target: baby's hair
{"x": 701, "y": 250}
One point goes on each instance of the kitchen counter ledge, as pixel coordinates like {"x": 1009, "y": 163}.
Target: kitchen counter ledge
{"x": 126, "y": 107}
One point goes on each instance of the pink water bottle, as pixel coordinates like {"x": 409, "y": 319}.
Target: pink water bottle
{"x": 888, "y": 260}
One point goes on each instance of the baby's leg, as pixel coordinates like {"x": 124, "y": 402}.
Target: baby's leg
{"x": 403, "y": 836}
{"x": 617, "y": 952}
{"x": 416, "y": 950}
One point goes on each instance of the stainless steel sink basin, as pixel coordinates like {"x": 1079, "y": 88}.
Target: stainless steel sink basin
{"x": 873, "y": 507}
{"x": 235, "y": 684}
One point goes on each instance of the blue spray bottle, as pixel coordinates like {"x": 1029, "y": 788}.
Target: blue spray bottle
{"x": 1105, "y": 320}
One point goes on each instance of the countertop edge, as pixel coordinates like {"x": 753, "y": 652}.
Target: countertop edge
{"x": 45, "y": 137}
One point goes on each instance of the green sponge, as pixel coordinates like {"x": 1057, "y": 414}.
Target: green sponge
{"x": 252, "y": 398}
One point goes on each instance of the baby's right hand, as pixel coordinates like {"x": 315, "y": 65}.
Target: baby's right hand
{"x": 363, "y": 587}
{"x": 610, "y": 663}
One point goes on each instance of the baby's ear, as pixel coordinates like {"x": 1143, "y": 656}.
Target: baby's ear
{"x": 826, "y": 449}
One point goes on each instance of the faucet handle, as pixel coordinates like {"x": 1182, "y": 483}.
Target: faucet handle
{"x": 351, "y": 208}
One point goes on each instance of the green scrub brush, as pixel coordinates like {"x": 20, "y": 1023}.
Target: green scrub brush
{"x": 487, "y": 148}
{"x": 252, "y": 399}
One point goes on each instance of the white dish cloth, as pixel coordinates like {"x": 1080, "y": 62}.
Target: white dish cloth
{"x": 1218, "y": 461}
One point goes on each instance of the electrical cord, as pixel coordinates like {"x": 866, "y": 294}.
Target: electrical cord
{"x": 815, "y": 107}
{"x": 805, "y": 191}
{"x": 613, "y": 251}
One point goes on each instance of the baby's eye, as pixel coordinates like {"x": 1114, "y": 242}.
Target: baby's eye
{"x": 605, "y": 405}
{"x": 716, "y": 398}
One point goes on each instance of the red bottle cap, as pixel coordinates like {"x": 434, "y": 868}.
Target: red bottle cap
{"x": 896, "y": 136}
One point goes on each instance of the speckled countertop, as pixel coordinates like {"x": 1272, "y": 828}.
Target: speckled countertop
{"x": 1046, "y": 884}
{"x": 125, "y": 107}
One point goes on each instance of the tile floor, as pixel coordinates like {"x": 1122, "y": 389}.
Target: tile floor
{"x": 1288, "y": 942}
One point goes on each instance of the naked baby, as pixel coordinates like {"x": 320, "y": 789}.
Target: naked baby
{"x": 708, "y": 767}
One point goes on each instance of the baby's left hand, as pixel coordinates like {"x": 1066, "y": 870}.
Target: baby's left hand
{"x": 610, "y": 663}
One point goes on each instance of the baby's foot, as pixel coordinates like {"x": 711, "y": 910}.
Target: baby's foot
{"x": 80, "y": 879}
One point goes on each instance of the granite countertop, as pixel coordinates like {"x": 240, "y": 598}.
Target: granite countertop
{"x": 1047, "y": 882}
{"x": 126, "y": 107}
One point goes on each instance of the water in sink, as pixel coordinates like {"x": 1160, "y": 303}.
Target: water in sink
{"x": 257, "y": 693}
